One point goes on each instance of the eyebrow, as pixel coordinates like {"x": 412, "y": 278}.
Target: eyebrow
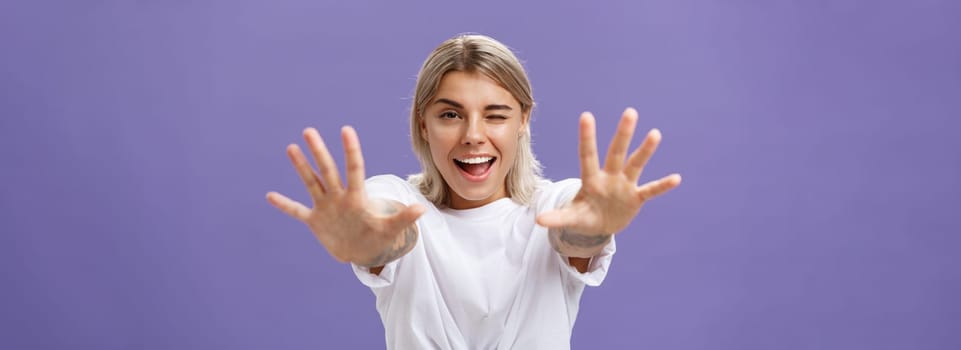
{"x": 488, "y": 108}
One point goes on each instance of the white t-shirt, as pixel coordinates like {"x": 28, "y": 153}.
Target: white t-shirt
{"x": 481, "y": 278}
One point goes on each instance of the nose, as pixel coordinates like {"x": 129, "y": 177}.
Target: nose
{"x": 474, "y": 135}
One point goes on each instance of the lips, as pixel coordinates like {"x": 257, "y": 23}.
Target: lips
{"x": 475, "y": 168}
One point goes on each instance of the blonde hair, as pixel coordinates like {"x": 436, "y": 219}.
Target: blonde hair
{"x": 472, "y": 53}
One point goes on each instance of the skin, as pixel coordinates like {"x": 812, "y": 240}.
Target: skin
{"x": 351, "y": 226}
{"x": 470, "y": 115}
{"x": 609, "y": 197}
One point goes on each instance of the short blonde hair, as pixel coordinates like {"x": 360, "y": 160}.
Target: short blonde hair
{"x": 472, "y": 53}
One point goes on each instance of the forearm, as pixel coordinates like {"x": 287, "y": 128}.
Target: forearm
{"x": 576, "y": 245}
{"x": 403, "y": 244}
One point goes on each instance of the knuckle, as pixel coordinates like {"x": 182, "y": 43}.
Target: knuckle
{"x": 355, "y": 165}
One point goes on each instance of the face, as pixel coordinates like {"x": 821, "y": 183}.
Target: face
{"x": 473, "y": 127}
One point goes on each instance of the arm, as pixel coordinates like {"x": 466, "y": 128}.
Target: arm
{"x": 578, "y": 248}
{"x": 353, "y": 227}
{"x": 609, "y": 197}
{"x": 577, "y": 245}
{"x": 402, "y": 244}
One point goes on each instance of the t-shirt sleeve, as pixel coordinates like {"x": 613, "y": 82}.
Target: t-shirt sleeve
{"x": 384, "y": 187}
{"x": 556, "y": 195}
{"x": 384, "y": 279}
{"x": 596, "y": 269}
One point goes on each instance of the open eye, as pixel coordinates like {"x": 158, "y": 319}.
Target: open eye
{"x": 449, "y": 115}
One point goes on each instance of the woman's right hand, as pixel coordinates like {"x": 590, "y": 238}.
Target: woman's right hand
{"x": 353, "y": 228}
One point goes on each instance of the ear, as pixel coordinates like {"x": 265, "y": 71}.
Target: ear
{"x": 525, "y": 121}
{"x": 423, "y": 127}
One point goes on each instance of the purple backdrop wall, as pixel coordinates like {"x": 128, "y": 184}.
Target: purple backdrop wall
{"x": 817, "y": 140}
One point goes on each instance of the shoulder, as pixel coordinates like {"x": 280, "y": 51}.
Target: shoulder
{"x": 547, "y": 187}
{"x": 392, "y": 187}
{"x": 551, "y": 194}
{"x": 387, "y": 179}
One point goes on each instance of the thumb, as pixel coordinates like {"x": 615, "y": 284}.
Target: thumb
{"x": 554, "y": 219}
{"x": 409, "y": 214}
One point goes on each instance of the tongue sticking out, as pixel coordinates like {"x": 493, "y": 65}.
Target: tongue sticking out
{"x": 475, "y": 169}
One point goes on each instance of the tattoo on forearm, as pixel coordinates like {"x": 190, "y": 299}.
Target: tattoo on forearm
{"x": 576, "y": 244}
{"x": 583, "y": 241}
{"x": 398, "y": 249}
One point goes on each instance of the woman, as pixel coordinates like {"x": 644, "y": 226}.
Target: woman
{"x": 477, "y": 251}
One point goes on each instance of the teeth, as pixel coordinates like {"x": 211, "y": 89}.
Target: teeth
{"x": 475, "y": 160}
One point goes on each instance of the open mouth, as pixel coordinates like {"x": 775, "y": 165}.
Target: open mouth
{"x": 475, "y": 167}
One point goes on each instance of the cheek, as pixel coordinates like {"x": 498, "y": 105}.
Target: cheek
{"x": 436, "y": 152}
{"x": 509, "y": 144}
{"x": 439, "y": 146}
{"x": 513, "y": 152}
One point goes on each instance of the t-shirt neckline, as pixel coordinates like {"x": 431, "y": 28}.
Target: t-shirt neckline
{"x": 495, "y": 208}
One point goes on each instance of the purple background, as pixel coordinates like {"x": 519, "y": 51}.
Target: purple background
{"x": 817, "y": 139}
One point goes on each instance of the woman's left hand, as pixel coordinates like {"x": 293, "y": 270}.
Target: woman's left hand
{"x": 609, "y": 197}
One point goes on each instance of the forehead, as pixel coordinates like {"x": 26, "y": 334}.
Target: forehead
{"x": 473, "y": 88}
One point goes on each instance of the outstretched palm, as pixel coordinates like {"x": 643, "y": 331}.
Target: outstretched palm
{"x": 352, "y": 227}
{"x": 609, "y": 197}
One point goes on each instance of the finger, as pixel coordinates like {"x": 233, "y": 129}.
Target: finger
{"x": 355, "y": 160}
{"x": 622, "y": 140}
{"x": 588, "y": 146}
{"x": 556, "y": 219}
{"x": 658, "y": 187}
{"x": 288, "y": 206}
{"x": 306, "y": 172}
{"x": 639, "y": 158}
{"x": 325, "y": 163}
